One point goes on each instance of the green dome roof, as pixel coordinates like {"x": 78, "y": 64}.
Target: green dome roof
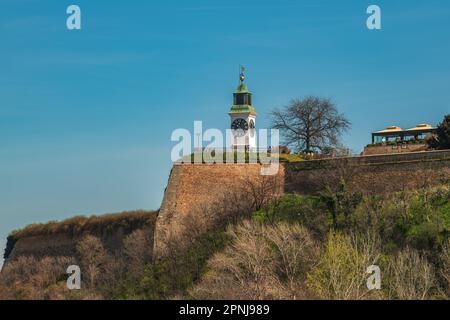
{"x": 243, "y": 109}
{"x": 242, "y": 88}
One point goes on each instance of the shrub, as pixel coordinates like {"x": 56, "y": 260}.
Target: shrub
{"x": 341, "y": 203}
{"x": 445, "y": 267}
{"x": 262, "y": 262}
{"x": 29, "y": 278}
{"x": 341, "y": 270}
{"x": 442, "y": 138}
{"x": 410, "y": 276}
{"x": 293, "y": 208}
{"x": 93, "y": 256}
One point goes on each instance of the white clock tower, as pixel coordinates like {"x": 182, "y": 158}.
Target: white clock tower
{"x": 243, "y": 118}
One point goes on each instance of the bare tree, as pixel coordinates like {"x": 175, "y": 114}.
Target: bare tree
{"x": 137, "y": 250}
{"x": 93, "y": 257}
{"x": 310, "y": 124}
{"x": 262, "y": 191}
{"x": 445, "y": 272}
{"x": 243, "y": 271}
{"x": 31, "y": 278}
{"x": 411, "y": 276}
{"x": 295, "y": 253}
{"x": 262, "y": 262}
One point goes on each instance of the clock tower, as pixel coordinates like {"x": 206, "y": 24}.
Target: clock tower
{"x": 243, "y": 118}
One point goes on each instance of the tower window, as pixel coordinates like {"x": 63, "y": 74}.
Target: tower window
{"x": 242, "y": 99}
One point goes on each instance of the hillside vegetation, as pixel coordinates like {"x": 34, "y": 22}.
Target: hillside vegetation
{"x": 293, "y": 247}
{"x": 320, "y": 248}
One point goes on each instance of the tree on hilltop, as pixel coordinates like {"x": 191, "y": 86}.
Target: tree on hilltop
{"x": 310, "y": 124}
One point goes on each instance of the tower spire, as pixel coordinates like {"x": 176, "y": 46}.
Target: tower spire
{"x": 241, "y": 75}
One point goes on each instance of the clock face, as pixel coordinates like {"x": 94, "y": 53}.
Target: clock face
{"x": 239, "y": 127}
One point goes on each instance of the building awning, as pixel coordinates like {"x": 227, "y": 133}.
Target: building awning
{"x": 391, "y": 129}
{"x": 422, "y": 127}
{"x": 397, "y": 131}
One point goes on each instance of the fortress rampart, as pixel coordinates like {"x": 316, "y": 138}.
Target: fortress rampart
{"x": 193, "y": 186}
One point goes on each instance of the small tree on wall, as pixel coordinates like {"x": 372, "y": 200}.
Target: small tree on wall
{"x": 441, "y": 140}
{"x": 310, "y": 124}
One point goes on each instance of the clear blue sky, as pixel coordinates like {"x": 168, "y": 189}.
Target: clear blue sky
{"x": 86, "y": 116}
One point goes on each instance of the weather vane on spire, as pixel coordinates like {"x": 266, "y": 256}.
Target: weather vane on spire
{"x": 242, "y": 76}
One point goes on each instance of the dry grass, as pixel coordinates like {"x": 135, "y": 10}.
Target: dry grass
{"x": 79, "y": 224}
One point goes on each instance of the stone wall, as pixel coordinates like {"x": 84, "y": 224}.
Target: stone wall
{"x": 370, "y": 174}
{"x": 192, "y": 187}
{"x": 192, "y": 184}
{"x": 401, "y": 148}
